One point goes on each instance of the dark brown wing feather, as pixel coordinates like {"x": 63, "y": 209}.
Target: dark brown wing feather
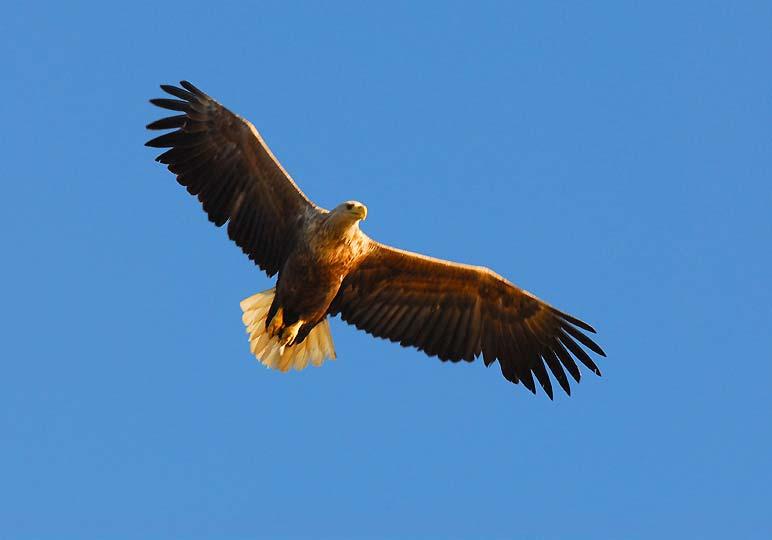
{"x": 458, "y": 312}
{"x": 221, "y": 158}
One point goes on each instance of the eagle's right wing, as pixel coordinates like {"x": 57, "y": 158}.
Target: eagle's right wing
{"x": 221, "y": 158}
{"x": 459, "y": 312}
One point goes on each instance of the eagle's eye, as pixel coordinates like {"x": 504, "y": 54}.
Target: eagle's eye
{"x": 349, "y": 206}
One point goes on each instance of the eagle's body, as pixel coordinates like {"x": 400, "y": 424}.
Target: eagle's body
{"x": 327, "y": 266}
{"x": 326, "y": 252}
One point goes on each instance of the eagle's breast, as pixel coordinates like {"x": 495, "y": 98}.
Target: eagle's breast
{"x": 335, "y": 248}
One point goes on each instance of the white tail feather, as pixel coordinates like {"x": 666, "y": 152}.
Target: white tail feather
{"x": 315, "y": 348}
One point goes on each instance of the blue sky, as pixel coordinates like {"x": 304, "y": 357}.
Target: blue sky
{"x": 612, "y": 157}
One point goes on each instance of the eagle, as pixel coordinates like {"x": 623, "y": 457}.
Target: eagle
{"x": 327, "y": 266}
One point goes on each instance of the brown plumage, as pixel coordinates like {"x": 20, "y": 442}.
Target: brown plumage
{"x": 328, "y": 266}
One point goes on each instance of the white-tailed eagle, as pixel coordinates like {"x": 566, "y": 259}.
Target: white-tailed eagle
{"x": 328, "y": 266}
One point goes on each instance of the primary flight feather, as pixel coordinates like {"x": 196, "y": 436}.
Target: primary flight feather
{"x": 327, "y": 266}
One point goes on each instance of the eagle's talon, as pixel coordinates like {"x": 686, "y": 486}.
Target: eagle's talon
{"x": 288, "y": 334}
{"x": 275, "y": 327}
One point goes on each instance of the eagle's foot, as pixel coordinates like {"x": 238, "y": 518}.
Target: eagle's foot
{"x": 288, "y": 334}
{"x": 274, "y": 328}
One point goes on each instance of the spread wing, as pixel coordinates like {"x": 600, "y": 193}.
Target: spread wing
{"x": 221, "y": 158}
{"x": 458, "y": 312}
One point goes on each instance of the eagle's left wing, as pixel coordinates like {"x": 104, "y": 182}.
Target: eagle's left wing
{"x": 222, "y": 159}
{"x": 457, "y": 312}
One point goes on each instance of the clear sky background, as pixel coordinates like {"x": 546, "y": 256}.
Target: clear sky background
{"x": 612, "y": 157}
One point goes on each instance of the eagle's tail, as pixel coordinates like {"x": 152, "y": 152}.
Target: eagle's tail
{"x": 315, "y": 348}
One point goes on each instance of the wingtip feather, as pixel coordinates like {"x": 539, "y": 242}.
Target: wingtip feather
{"x": 573, "y": 320}
{"x": 193, "y": 89}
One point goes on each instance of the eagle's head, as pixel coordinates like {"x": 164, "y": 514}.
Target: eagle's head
{"x": 352, "y": 211}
